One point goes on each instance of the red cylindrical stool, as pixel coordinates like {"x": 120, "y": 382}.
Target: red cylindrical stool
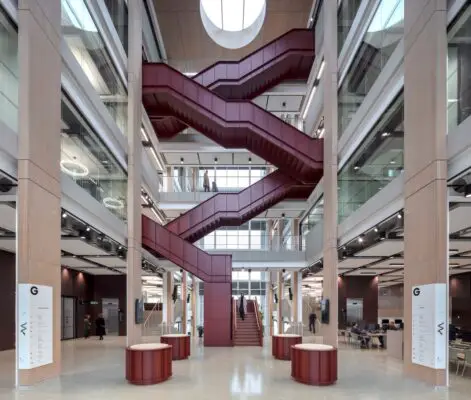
{"x": 180, "y": 345}
{"x": 314, "y": 364}
{"x": 148, "y": 364}
{"x": 281, "y": 345}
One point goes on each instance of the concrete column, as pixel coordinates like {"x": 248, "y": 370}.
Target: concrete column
{"x": 194, "y": 297}
{"x": 39, "y": 188}
{"x": 280, "y": 302}
{"x": 329, "y": 331}
{"x": 134, "y": 256}
{"x": 269, "y": 291}
{"x": 426, "y": 202}
{"x": 297, "y": 297}
{"x": 184, "y": 304}
{"x": 168, "y": 298}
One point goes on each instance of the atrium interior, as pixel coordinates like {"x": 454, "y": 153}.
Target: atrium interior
{"x": 235, "y": 199}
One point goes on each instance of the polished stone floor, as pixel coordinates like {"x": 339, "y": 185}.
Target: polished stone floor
{"x": 95, "y": 370}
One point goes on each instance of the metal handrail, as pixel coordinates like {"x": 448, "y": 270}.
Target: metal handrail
{"x": 234, "y": 319}
{"x": 150, "y": 314}
{"x": 257, "y": 317}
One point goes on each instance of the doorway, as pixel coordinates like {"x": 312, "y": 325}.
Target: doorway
{"x": 68, "y": 318}
{"x": 111, "y": 316}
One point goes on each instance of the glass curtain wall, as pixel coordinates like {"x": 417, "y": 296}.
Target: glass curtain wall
{"x": 249, "y": 236}
{"x": 230, "y": 179}
{"x": 118, "y": 10}
{"x": 8, "y": 72}
{"x": 85, "y": 159}
{"x": 314, "y": 217}
{"x": 88, "y": 47}
{"x": 345, "y": 16}
{"x": 377, "y": 161}
{"x": 459, "y": 69}
{"x": 384, "y": 32}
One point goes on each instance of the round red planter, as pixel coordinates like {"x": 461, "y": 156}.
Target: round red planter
{"x": 148, "y": 364}
{"x": 180, "y": 345}
{"x": 314, "y": 364}
{"x": 281, "y": 345}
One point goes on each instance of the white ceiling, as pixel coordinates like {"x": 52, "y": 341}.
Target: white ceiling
{"x": 114, "y": 262}
{"x": 8, "y": 217}
{"x": 80, "y": 247}
{"x": 207, "y": 158}
{"x": 382, "y": 249}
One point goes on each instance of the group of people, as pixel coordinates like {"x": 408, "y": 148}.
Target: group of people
{"x": 100, "y": 327}
{"x": 206, "y": 186}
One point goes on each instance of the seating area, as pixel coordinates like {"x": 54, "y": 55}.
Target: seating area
{"x": 459, "y": 354}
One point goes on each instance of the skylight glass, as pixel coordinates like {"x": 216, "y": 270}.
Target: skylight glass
{"x": 233, "y": 15}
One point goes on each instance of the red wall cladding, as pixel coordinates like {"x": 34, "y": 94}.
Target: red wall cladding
{"x": 217, "y": 314}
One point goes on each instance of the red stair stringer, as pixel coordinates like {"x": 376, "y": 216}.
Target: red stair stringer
{"x": 288, "y": 57}
{"x": 232, "y": 124}
{"x": 233, "y": 209}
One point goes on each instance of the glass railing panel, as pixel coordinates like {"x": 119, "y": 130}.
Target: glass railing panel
{"x": 255, "y": 241}
{"x": 86, "y": 160}
{"x": 83, "y": 37}
{"x": 9, "y": 71}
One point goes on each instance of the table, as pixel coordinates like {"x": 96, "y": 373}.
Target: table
{"x": 180, "y": 345}
{"x": 314, "y": 364}
{"x": 281, "y": 345}
{"x": 148, "y": 364}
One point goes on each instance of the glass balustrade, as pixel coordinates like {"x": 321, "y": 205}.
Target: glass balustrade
{"x": 218, "y": 180}
{"x": 252, "y": 240}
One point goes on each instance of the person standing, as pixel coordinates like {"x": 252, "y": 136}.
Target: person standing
{"x": 206, "y": 181}
{"x": 87, "y": 326}
{"x": 242, "y": 307}
{"x": 312, "y": 322}
{"x": 100, "y": 326}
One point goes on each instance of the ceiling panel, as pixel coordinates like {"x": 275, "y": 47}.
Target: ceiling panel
{"x": 223, "y": 158}
{"x": 242, "y": 158}
{"x": 276, "y": 213}
{"x": 460, "y": 217}
{"x": 287, "y": 104}
{"x": 109, "y": 261}
{"x": 369, "y": 271}
{"x": 8, "y": 245}
{"x": 188, "y": 158}
{"x": 261, "y": 101}
{"x": 74, "y": 262}
{"x": 80, "y": 247}
{"x": 460, "y": 245}
{"x": 355, "y": 262}
{"x": 383, "y": 249}
{"x": 99, "y": 271}
{"x": 8, "y": 217}
{"x": 457, "y": 271}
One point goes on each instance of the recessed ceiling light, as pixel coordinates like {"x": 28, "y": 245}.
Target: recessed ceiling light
{"x": 399, "y": 216}
{"x": 386, "y": 134}
{"x": 64, "y": 215}
{"x": 88, "y": 229}
{"x": 376, "y": 229}
{"x": 360, "y": 239}
{"x": 392, "y": 162}
{"x": 181, "y": 160}
{"x": 250, "y": 160}
{"x": 454, "y": 264}
{"x": 215, "y": 160}
{"x": 356, "y": 167}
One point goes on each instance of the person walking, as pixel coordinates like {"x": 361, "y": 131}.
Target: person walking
{"x": 100, "y": 326}
{"x": 242, "y": 307}
{"x": 87, "y": 326}
{"x": 312, "y": 322}
{"x": 206, "y": 181}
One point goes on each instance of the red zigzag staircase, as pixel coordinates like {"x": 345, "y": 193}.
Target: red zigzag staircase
{"x": 173, "y": 100}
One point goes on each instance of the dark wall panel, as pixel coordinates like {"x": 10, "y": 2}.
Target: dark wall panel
{"x": 7, "y": 300}
{"x": 359, "y": 287}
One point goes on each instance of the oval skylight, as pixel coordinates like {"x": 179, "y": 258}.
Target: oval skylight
{"x": 233, "y": 23}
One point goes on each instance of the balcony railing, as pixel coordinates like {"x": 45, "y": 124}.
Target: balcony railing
{"x": 262, "y": 242}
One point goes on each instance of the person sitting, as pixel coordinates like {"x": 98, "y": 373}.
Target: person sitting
{"x": 362, "y": 334}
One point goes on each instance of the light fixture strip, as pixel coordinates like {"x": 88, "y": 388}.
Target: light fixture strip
{"x": 321, "y": 70}
{"x": 309, "y": 101}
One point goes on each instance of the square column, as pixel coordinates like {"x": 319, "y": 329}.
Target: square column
{"x": 39, "y": 189}
{"x": 426, "y": 202}
{"x": 167, "y": 313}
{"x": 280, "y": 302}
{"x": 134, "y": 211}
{"x": 184, "y": 304}
{"x": 194, "y": 295}
{"x": 330, "y": 290}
